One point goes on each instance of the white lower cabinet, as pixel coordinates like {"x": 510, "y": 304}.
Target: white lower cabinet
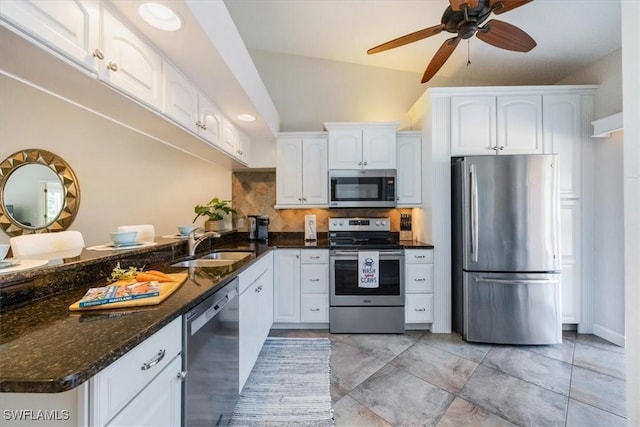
{"x": 301, "y": 291}
{"x": 145, "y": 376}
{"x": 256, "y": 313}
{"x": 158, "y": 400}
{"x": 418, "y": 285}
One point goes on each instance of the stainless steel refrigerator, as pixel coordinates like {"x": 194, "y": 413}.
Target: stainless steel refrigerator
{"x": 505, "y": 249}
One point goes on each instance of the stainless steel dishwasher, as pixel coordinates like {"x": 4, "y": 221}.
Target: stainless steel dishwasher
{"x": 210, "y": 388}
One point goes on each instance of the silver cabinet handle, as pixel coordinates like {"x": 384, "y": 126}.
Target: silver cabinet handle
{"x": 419, "y": 256}
{"x": 420, "y": 309}
{"x": 359, "y": 163}
{"x": 204, "y": 127}
{"x": 420, "y": 279}
{"x": 297, "y": 256}
{"x": 98, "y": 54}
{"x": 501, "y": 148}
{"x": 199, "y": 124}
{"x": 314, "y": 309}
{"x": 365, "y": 163}
{"x": 150, "y": 364}
{"x": 112, "y": 66}
{"x": 182, "y": 375}
{"x": 259, "y": 289}
{"x": 314, "y": 280}
{"x": 474, "y": 212}
{"x": 315, "y": 257}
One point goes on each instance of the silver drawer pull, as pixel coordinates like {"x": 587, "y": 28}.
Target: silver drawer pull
{"x": 182, "y": 375}
{"x": 420, "y": 309}
{"x": 315, "y": 257}
{"x": 259, "y": 288}
{"x": 420, "y": 279}
{"x": 314, "y": 280}
{"x": 314, "y": 309}
{"x": 418, "y": 256}
{"x": 154, "y": 361}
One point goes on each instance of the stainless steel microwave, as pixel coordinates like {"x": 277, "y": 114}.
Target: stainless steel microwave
{"x": 374, "y": 188}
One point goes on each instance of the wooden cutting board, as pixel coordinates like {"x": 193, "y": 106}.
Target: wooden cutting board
{"x": 166, "y": 289}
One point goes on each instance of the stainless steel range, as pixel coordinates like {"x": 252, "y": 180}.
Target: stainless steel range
{"x": 366, "y": 275}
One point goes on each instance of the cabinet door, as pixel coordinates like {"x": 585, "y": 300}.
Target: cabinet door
{"x": 229, "y": 137}
{"x": 379, "y": 147}
{"x": 419, "y": 278}
{"x": 314, "y": 171}
{"x": 409, "y": 170}
{"x": 129, "y": 64}
{"x": 266, "y": 304}
{"x": 519, "y": 124}
{"x": 243, "y": 148}
{"x": 249, "y": 330}
{"x": 289, "y": 171}
{"x": 210, "y": 120}
{"x": 69, "y": 27}
{"x": 570, "y": 271}
{"x": 419, "y": 308}
{"x": 314, "y": 278}
{"x": 561, "y": 115}
{"x": 286, "y": 298}
{"x": 473, "y": 125}
{"x": 179, "y": 98}
{"x": 161, "y": 400}
{"x": 345, "y": 148}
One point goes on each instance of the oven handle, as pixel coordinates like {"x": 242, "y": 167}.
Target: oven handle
{"x": 355, "y": 251}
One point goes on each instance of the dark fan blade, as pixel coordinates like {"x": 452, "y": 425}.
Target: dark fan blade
{"x": 502, "y": 6}
{"x": 505, "y": 36}
{"x": 457, "y": 4}
{"x": 440, "y": 57}
{"x": 409, "y": 38}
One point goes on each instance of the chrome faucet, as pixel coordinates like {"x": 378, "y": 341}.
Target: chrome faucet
{"x": 193, "y": 242}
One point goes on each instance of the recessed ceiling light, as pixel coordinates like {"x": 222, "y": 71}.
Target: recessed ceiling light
{"x": 246, "y": 117}
{"x": 160, "y": 16}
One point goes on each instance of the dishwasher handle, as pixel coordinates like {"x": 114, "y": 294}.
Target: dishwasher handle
{"x": 199, "y": 321}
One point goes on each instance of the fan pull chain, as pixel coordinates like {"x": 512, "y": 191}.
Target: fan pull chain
{"x": 468, "y": 52}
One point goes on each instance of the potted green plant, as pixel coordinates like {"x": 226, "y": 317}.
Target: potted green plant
{"x": 214, "y": 211}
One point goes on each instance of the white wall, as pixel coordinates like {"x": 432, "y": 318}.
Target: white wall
{"x": 125, "y": 177}
{"x": 308, "y": 92}
{"x": 608, "y": 201}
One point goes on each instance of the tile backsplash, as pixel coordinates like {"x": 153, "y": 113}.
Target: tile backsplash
{"x": 254, "y": 193}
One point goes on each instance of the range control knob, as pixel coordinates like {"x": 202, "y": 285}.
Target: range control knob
{"x": 378, "y": 223}
{"x": 384, "y": 223}
{"x": 341, "y": 223}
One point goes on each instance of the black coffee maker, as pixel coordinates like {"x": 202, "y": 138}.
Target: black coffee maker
{"x": 258, "y": 227}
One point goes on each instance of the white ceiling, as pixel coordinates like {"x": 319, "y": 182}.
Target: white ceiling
{"x": 569, "y": 34}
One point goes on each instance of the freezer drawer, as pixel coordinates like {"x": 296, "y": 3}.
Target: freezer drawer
{"x": 521, "y": 308}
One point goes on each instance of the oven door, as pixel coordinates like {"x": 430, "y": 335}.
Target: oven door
{"x": 362, "y": 188}
{"x": 343, "y": 267}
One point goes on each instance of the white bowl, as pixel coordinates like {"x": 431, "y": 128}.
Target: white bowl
{"x": 3, "y": 251}
{"x": 123, "y": 237}
{"x": 186, "y": 229}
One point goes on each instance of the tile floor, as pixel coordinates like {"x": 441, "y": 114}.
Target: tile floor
{"x": 422, "y": 378}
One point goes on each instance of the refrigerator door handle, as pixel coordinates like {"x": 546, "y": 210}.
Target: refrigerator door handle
{"x": 517, "y": 281}
{"x": 474, "y": 212}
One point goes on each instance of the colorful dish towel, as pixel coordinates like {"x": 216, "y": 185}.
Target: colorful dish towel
{"x": 368, "y": 269}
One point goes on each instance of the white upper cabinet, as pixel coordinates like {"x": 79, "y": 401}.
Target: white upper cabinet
{"x": 519, "y": 124}
{"x": 69, "y": 27}
{"x": 209, "y": 120}
{"x": 473, "y": 125}
{"x": 130, "y": 64}
{"x": 301, "y": 171}
{"x": 179, "y": 98}
{"x": 362, "y": 145}
{"x": 562, "y": 124}
{"x": 487, "y": 124}
{"x": 409, "y": 173}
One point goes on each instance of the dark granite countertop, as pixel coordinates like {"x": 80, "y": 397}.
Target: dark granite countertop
{"x": 45, "y": 348}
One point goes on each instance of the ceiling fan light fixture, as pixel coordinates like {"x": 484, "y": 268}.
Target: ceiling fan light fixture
{"x": 160, "y": 16}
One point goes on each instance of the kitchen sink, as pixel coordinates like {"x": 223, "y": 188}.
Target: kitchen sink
{"x": 205, "y": 263}
{"x": 224, "y": 256}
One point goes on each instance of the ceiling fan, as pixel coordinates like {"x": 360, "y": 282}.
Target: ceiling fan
{"x": 464, "y": 17}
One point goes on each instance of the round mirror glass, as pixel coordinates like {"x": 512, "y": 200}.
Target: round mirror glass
{"x": 38, "y": 193}
{"x": 33, "y": 196}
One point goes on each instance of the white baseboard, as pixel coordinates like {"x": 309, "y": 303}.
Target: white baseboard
{"x": 609, "y": 335}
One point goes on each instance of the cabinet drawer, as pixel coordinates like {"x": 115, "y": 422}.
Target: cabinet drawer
{"x": 250, "y": 275}
{"x": 314, "y": 278}
{"x": 419, "y": 278}
{"x": 314, "y": 256}
{"x": 419, "y": 308}
{"x": 314, "y": 308}
{"x": 118, "y": 384}
{"x": 414, "y": 256}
